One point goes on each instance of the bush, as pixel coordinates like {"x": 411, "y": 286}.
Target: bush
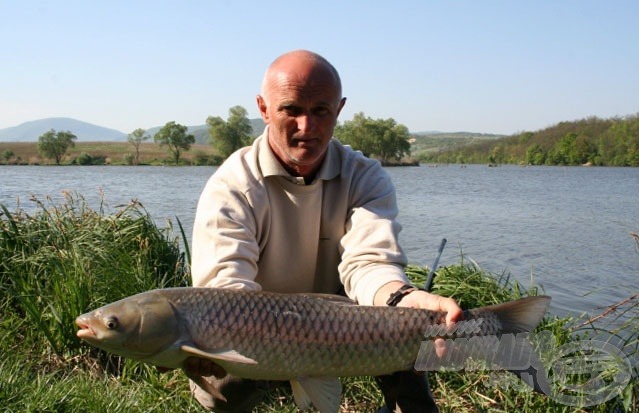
{"x": 87, "y": 159}
{"x": 129, "y": 159}
{"x": 202, "y": 159}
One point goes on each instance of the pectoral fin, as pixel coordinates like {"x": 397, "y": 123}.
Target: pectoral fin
{"x": 225, "y": 355}
{"x": 324, "y": 392}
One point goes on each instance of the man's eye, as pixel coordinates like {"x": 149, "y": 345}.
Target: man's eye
{"x": 321, "y": 111}
{"x": 293, "y": 110}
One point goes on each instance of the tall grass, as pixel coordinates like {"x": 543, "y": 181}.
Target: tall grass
{"x": 63, "y": 260}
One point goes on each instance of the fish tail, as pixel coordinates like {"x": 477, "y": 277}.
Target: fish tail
{"x": 518, "y": 316}
{"x": 500, "y": 344}
{"x": 514, "y": 351}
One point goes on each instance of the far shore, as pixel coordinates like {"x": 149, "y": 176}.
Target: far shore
{"x": 123, "y": 153}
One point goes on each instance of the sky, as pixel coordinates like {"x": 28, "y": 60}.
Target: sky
{"x": 480, "y": 66}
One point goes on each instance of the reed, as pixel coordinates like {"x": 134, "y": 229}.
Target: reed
{"x": 67, "y": 258}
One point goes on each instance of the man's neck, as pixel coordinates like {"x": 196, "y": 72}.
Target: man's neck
{"x": 300, "y": 170}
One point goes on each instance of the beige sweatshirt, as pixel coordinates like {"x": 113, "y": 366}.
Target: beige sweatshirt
{"x": 257, "y": 227}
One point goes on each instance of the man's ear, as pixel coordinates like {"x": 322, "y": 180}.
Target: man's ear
{"x": 261, "y": 106}
{"x": 342, "y": 102}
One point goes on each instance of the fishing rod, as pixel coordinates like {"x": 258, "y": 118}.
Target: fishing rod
{"x": 429, "y": 278}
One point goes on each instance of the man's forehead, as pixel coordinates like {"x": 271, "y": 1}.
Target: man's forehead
{"x": 295, "y": 89}
{"x": 312, "y": 97}
{"x": 303, "y": 79}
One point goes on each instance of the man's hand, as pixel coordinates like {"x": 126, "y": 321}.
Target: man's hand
{"x": 427, "y": 301}
{"x": 433, "y": 302}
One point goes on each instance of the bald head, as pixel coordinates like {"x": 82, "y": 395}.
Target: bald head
{"x": 300, "y": 101}
{"x": 301, "y": 65}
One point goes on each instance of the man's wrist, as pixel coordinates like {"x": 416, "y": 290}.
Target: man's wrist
{"x": 398, "y": 295}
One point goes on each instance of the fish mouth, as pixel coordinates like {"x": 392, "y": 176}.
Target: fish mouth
{"x": 85, "y": 332}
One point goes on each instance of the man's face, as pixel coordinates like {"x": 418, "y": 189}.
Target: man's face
{"x": 301, "y": 109}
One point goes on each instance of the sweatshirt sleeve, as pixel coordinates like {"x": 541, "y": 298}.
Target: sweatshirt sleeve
{"x": 371, "y": 254}
{"x": 224, "y": 251}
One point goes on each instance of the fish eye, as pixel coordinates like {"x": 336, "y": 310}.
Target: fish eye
{"x": 111, "y": 323}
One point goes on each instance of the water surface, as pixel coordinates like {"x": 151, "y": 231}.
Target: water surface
{"x": 564, "y": 228}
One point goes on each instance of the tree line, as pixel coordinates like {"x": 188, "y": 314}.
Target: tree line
{"x": 55, "y": 144}
{"x": 383, "y": 139}
{"x": 590, "y": 141}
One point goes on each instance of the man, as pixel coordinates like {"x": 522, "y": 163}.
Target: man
{"x": 299, "y": 212}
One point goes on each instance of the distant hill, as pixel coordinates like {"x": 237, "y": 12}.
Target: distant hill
{"x": 425, "y": 143}
{"x": 589, "y": 141}
{"x": 258, "y": 126}
{"x": 201, "y": 132}
{"x": 88, "y": 132}
{"x": 31, "y": 131}
{"x": 457, "y": 135}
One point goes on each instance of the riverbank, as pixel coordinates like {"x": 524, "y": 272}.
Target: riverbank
{"x": 62, "y": 260}
{"x": 108, "y": 153}
{"x": 122, "y": 153}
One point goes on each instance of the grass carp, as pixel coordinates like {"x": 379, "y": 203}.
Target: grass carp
{"x": 309, "y": 339}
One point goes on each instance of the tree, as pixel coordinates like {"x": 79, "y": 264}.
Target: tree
{"x": 356, "y": 134}
{"x": 229, "y": 136}
{"x": 136, "y": 138}
{"x": 594, "y": 141}
{"x": 7, "y": 154}
{"x": 535, "y": 155}
{"x": 497, "y": 155}
{"x": 175, "y": 137}
{"x": 383, "y": 138}
{"x": 583, "y": 151}
{"x": 395, "y": 140}
{"x": 54, "y": 144}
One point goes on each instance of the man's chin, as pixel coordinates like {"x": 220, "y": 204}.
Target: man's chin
{"x": 306, "y": 155}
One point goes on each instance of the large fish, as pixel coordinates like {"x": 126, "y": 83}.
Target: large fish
{"x": 309, "y": 339}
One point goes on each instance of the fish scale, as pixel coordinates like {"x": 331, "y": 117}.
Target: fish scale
{"x": 304, "y": 338}
{"x": 301, "y": 335}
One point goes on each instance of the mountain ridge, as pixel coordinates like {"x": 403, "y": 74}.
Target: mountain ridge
{"x": 30, "y": 131}
{"x": 87, "y": 132}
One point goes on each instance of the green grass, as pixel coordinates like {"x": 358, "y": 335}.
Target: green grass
{"x": 63, "y": 260}
{"x": 114, "y": 153}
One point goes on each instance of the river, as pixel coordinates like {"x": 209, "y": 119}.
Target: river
{"x": 566, "y": 229}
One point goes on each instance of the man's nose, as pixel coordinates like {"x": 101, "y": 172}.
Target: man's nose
{"x": 305, "y": 123}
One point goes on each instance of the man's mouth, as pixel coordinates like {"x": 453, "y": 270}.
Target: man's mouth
{"x": 305, "y": 141}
